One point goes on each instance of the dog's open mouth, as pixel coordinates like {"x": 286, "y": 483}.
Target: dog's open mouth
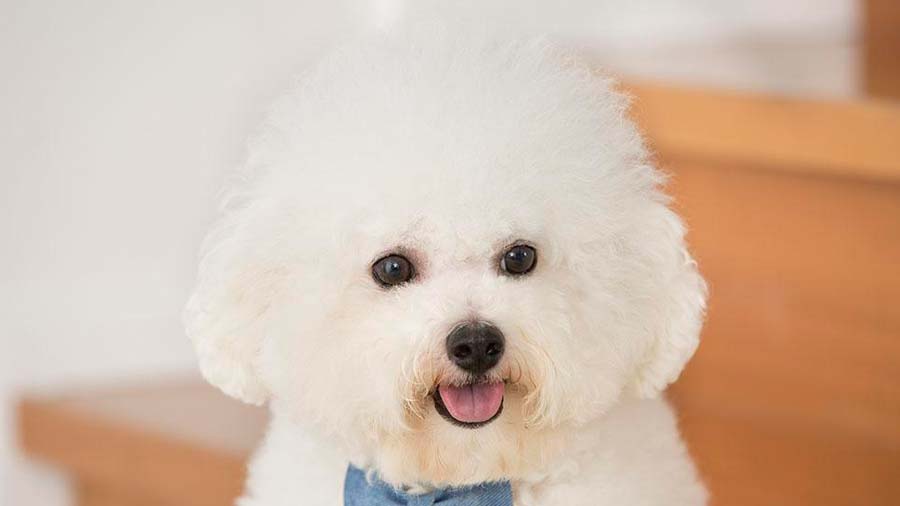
{"x": 472, "y": 405}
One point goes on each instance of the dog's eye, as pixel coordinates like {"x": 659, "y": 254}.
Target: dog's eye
{"x": 392, "y": 270}
{"x": 518, "y": 260}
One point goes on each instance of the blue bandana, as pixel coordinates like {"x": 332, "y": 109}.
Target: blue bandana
{"x": 360, "y": 492}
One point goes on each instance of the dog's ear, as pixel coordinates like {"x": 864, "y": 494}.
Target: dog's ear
{"x": 680, "y": 305}
{"x": 226, "y": 313}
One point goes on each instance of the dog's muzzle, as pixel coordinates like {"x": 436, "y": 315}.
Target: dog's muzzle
{"x": 476, "y": 348}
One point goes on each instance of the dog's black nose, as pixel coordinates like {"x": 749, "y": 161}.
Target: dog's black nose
{"x": 475, "y": 347}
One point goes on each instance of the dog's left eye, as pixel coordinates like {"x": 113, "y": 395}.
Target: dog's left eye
{"x": 518, "y": 260}
{"x": 392, "y": 270}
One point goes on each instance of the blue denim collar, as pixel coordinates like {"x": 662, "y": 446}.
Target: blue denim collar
{"x": 358, "y": 491}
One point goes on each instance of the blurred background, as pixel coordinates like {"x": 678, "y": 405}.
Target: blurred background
{"x": 120, "y": 119}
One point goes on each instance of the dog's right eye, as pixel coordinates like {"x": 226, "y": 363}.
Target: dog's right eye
{"x": 392, "y": 270}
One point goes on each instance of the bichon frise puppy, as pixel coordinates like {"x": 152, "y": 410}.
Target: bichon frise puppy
{"x": 449, "y": 269}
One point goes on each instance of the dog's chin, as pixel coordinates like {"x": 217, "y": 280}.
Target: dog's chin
{"x": 470, "y": 405}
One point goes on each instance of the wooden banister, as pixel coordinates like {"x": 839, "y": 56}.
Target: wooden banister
{"x": 854, "y": 139}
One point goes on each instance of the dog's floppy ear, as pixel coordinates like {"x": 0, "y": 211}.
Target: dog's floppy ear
{"x": 225, "y": 315}
{"x": 681, "y": 304}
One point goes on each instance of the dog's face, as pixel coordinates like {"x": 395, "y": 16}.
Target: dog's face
{"x": 447, "y": 259}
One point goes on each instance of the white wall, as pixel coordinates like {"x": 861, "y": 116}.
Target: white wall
{"x": 118, "y": 120}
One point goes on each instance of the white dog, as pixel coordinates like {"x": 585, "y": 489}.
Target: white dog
{"x": 449, "y": 265}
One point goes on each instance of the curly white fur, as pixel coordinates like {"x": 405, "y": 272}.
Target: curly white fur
{"x": 448, "y": 149}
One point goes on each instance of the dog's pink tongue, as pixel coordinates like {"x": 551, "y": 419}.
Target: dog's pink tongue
{"x": 473, "y": 403}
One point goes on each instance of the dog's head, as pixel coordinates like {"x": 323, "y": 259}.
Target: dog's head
{"x": 447, "y": 258}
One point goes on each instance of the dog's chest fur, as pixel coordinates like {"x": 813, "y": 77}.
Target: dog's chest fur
{"x": 633, "y": 456}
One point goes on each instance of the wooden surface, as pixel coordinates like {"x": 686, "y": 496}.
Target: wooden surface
{"x": 794, "y": 216}
{"x": 881, "y": 56}
{"x": 180, "y": 443}
{"x": 794, "y": 395}
{"x": 855, "y": 139}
